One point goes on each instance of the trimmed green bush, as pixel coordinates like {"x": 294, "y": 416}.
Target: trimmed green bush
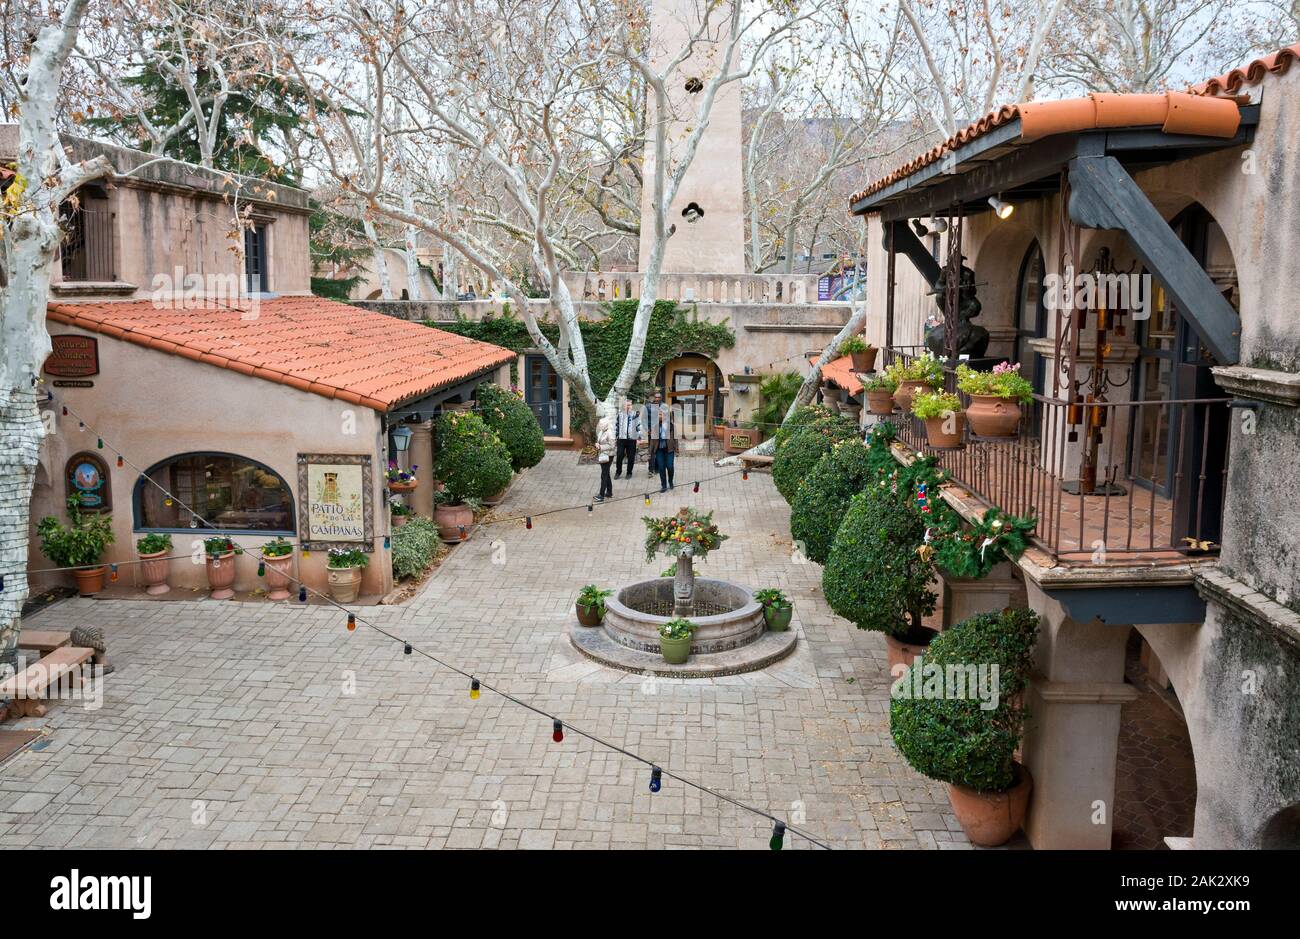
{"x": 801, "y": 417}
{"x": 471, "y": 459}
{"x": 802, "y": 452}
{"x": 959, "y": 738}
{"x": 874, "y": 576}
{"x": 415, "y": 546}
{"x": 820, "y": 504}
{"x": 514, "y": 422}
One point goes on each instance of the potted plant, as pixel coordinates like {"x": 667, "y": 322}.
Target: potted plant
{"x": 591, "y": 605}
{"x": 995, "y": 398}
{"x": 398, "y": 511}
{"x": 685, "y": 536}
{"x": 78, "y": 545}
{"x": 153, "y": 549}
{"x": 880, "y": 395}
{"x": 400, "y": 480}
{"x": 861, "y": 351}
{"x": 966, "y": 738}
{"x": 277, "y": 557}
{"x": 944, "y": 418}
{"x": 879, "y": 570}
{"x": 219, "y": 552}
{"x": 473, "y": 464}
{"x": 343, "y": 570}
{"x": 777, "y": 608}
{"x": 919, "y": 374}
{"x": 675, "y": 640}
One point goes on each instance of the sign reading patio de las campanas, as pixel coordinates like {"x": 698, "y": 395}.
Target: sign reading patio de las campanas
{"x": 335, "y": 504}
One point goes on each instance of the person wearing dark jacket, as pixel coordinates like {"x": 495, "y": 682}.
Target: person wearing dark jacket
{"x": 627, "y": 431}
{"x": 649, "y": 421}
{"x": 663, "y": 446}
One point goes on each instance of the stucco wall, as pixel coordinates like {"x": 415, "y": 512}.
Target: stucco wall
{"x": 151, "y": 406}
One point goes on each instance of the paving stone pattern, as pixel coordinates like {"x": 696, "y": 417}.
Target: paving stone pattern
{"x": 229, "y": 724}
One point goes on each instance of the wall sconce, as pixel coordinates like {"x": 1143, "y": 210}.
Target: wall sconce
{"x": 938, "y": 225}
{"x": 1002, "y": 209}
{"x": 919, "y": 228}
{"x": 401, "y": 438}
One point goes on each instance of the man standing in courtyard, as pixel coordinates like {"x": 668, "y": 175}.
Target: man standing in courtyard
{"x": 663, "y": 446}
{"x": 628, "y": 432}
{"x": 649, "y": 424}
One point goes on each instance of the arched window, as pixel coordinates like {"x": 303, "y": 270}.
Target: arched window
{"x": 227, "y": 492}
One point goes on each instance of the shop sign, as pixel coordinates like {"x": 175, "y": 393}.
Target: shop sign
{"x": 335, "y": 503}
{"x": 73, "y": 356}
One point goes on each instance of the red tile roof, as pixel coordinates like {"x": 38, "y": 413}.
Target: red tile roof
{"x": 1189, "y": 112}
{"x": 839, "y": 372}
{"x": 316, "y": 345}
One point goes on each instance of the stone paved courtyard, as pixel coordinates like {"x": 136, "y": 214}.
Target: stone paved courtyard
{"x": 228, "y": 725}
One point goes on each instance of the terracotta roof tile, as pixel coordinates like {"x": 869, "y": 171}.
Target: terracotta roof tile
{"x": 839, "y": 372}
{"x": 1232, "y": 82}
{"x": 316, "y": 345}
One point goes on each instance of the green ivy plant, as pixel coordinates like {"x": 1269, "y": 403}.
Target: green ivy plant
{"x": 415, "y": 546}
{"x": 81, "y": 543}
{"x": 960, "y": 739}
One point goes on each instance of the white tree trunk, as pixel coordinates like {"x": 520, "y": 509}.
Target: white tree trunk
{"x": 31, "y": 238}
{"x": 380, "y": 262}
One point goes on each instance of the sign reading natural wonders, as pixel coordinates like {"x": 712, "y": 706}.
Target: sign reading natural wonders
{"x": 73, "y": 356}
{"x": 334, "y": 497}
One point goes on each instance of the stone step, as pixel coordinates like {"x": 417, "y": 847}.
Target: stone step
{"x": 595, "y": 644}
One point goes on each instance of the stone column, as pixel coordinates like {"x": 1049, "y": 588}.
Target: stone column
{"x": 964, "y": 597}
{"x": 1072, "y": 735}
{"x": 421, "y": 455}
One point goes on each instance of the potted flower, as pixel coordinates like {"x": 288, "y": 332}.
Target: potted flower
{"x": 969, "y": 740}
{"x": 675, "y": 640}
{"x": 78, "y": 545}
{"x": 777, "y": 608}
{"x": 686, "y": 536}
{"x": 944, "y": 418}
{"x": 400, "y": 480}
{"x": 398, "y": 511}
{"x": 153, "y": 549}
{"x": 919, "y": 374}
{"x": 995, "y": 398}
{"x": 880, "y": 395}
{"x": 277, "y": 558}
{"x": 219, "y": 553}
{"x": 473, "y": 464}
{"x": 343, "y": 570}
{"x": 591, "y": 605}
{"x": 862, "y": 352}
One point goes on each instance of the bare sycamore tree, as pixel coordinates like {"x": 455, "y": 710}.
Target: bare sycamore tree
{"x": 973, "y": 56}
{"x": 43, "y": 178}
{"x": 520, "y": 103}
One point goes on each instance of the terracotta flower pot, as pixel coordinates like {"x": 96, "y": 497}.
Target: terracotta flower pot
{"x": 864, "y": 361}
{"x": 991, "y": 818}
{"x": 221, "y": 575}
{"x": 397, "y": 485}
{"x": 991, "y": 416}
{"x": 945, "y": 433}
{"x": 345, "y": 583}
{"x": 903, "y": 651}
{"x": 497, "y": 497}
{"x": 153, "y": 570}
{"x": 880, "y": 403}
{"x": 587, "y": 615}
{"x": 907, "y": 390}
{"x": 89, "y": 581}
{"x": 453, "y": 521}
{"x": 398, "y": 520}
{"x": 279, "y": 576}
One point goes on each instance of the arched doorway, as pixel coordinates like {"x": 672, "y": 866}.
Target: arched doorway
{"x": 693, "y": 385}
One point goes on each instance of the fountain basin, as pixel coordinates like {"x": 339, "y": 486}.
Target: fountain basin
{"x": 727, "y": 616}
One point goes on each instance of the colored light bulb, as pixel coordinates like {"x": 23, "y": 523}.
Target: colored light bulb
{"x": 302, "y": 594}
{"x": 387, "y": 542}
{"x": 120, "y": 461}
{"x": 647, "y": 498}
{"x": 557, "y": 734}
{"x": 168, "y": 501}
{"x": 99, "y": 442}
{"x": 473, "y": 689}
{"x": 528, "y": 523}
{"x": 462, "y": 532}
{"x": 744, "y": 474}
{"x": 352, "y": 622}
{"x": 81, "y": 425}
{"x": 778, "y": 836}
{"x": 696, "y": 488}
{"x": 65, "y": 410}
{"x": 112, "y": 573}
{"x": 590, "y": 507}
{"x": 656, "y": 779}
{"x": 261, "y": 568}
{"x": 407, "y": 649}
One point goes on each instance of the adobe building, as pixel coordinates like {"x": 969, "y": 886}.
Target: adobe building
{"x": 205, "y": 378}
{"x": 1159, "y": 455}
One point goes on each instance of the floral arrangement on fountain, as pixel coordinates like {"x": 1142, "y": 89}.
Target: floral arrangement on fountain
{"x": 685, "y": 536}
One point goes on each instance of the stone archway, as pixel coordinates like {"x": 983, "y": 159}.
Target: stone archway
{"x": 694, "y": 385}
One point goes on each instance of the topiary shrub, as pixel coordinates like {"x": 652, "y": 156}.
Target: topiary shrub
{"x": 820, "y": 504}
{"x": 875, "y": 576}
{"x": 514, "y": 422}
{"x": 471, "y": 459}
{"x": 967, "y": 736}
{"x": 801, "y": 417}
{"x": 415, "y": 546}
{"x": 796, "y": 459}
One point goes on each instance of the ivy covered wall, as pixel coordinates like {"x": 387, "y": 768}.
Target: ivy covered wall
{"x": 674, "y": 331}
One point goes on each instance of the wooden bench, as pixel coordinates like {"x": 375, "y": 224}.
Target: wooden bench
{"x": 29, "y": 686}
{"x": 43, "y": 641}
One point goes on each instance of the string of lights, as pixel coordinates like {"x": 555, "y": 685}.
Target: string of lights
{"x": 477, "y": 684}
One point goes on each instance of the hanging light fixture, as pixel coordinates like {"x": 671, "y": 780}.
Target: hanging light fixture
{"x": 401, "y": 435}
{"x": 1000, "y": 208}
{"x": 938, "y": 225}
